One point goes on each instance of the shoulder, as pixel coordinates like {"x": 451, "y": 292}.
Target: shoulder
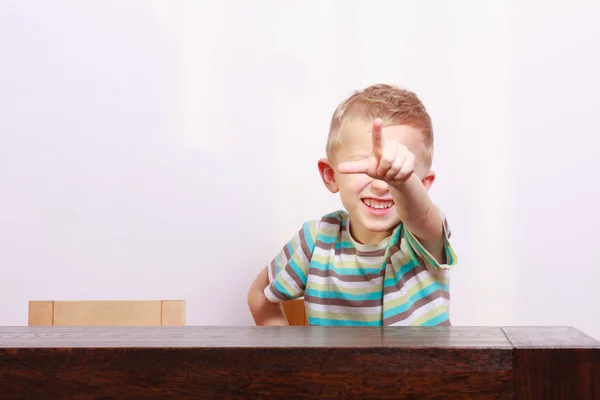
{"x": 316, "y": 230}
{"x": 335, "y": 218}
{"x": 328, "y": 225}
{"x": 339, "y": 217}
{"x": 333, "y": 223}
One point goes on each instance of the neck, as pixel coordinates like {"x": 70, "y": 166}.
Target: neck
{"x": 364, "y": 236}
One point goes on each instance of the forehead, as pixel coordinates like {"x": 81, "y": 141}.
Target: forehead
{"x": 357, "y": 140}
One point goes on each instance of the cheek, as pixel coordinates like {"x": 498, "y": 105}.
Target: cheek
{"x": 352, "y": 184}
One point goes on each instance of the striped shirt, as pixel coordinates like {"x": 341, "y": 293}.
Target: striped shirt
{"x": 393, "y": 282}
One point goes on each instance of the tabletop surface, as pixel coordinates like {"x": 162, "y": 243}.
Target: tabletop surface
{"x": 289, "y": 337}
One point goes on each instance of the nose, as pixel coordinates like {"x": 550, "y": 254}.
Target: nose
{"x": 379, "y": 186}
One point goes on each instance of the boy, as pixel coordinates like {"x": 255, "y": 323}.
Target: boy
{"x": 385, "y": 261}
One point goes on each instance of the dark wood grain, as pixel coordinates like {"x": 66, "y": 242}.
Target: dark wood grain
{"x": 383, "y": 373}
{"x": 255, "y": 363}
{"x": 555, "y": 363}
{"x": 296, "y": 362}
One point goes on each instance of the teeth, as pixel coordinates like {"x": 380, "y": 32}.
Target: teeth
{"x": 378, "y": 204}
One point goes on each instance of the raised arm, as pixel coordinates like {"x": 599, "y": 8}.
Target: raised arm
{"x": 393, "y": 163}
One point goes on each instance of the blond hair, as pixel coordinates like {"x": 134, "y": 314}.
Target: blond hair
{"x": 393, "y": 105}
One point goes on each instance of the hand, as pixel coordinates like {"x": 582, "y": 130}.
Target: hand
{"x": 390, "y": 161}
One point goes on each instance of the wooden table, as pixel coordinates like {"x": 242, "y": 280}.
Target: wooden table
{"x": 298, "y": 362}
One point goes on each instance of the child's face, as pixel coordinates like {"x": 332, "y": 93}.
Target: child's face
{"x": 362, "y": 196}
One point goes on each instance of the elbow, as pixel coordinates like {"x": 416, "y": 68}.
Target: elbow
{"x": 251, "y": 301}
{"x": 255, "y": 299}
{"x": 252, "y": 298}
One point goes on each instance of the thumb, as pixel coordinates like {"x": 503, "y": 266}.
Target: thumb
{"x": 358, "y": 167}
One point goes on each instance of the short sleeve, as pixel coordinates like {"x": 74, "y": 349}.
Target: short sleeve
{"x": 422, "y": 253}
{"x": 288, "y": 271}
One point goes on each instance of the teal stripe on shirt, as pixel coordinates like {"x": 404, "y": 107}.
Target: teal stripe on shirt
{"x": 344, "y": 271}
{"x": 341, "y": 322}
{"x": 339, "y": 295}
{"x": 297, "y": 270}
{"x": 308, "y": 238}
{"x": 436, "y": 320}
{"x": 279, "y": 287}
{"x": 411, "y": 300}
{"x": 401, "y": 272}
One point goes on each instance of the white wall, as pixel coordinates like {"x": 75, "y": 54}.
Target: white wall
{"x": 163, "y": 149}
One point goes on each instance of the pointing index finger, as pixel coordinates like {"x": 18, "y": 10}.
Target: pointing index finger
{"x": 377, "y": 137}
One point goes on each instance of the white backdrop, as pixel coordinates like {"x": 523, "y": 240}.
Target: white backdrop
{"x": 168, "y": 149}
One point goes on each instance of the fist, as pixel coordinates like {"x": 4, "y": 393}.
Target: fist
{"x": 389, "y": 161}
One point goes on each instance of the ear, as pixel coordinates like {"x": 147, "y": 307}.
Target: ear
{"x": 428, "y": 180}
{"x": 328, "y": 175}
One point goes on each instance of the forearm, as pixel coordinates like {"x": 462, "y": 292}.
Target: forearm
{"x": 264, "y": 312}
{"x": 419, "y": 215}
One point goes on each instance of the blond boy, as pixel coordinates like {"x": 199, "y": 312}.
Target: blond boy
{"x": 385, "y": 260}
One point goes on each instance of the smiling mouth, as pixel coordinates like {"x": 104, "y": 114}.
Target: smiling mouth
{"x": 378, "y": 204}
